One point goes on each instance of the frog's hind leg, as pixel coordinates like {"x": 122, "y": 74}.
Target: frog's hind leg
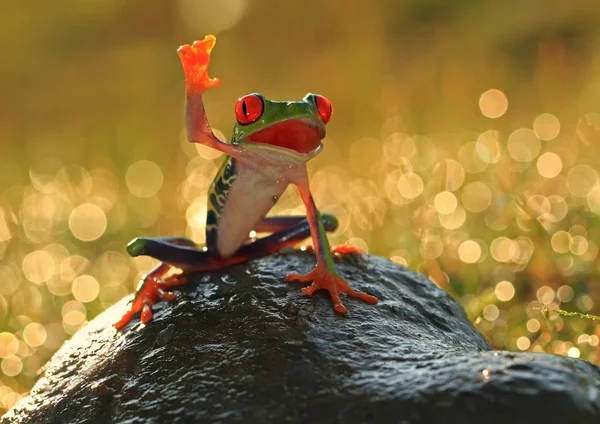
{"x": 287, "y": 231}
{"x": 330, "y": 223}
{"x": 183, "y": 254}
{"x": 152, "y": 287}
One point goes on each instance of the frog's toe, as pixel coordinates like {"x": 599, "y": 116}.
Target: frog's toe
{"x": 184, "y": 51}
{"x": 351, "y": 255}
{"x": 206, "y": 44}
{"x": 323, "y": 278}
{"x": 347, "y": 249}
{"x": 136, "y": 247}
{"x": 146, "y": 315}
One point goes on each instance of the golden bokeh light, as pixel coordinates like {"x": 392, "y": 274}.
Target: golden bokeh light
{"x": 399, "y": 148}
{"x": 196, "y": 214}
{"x": 546, "y": 126}
{"x": 10, "y": 277}
{"x": 112, "y": 266}
{"x": 560, "y": 241}
{"x": 34, "y": 334}
{"x": 503, "y": 249}
{"x": 565, "y": 293}
{"x": 4, "y": 230}
{"x": 400, "y": 259}
{"x": 549, "y": 165}
{"x": 493, "y": 103}
{"x": 454, "y": 220}
{"x": 581, "y": 179}
{"x": 578, "y": 245}
{"x": 469, "y": 251}
{"x": 445, "y": 202}
{"x": 491, "y": 312}
{"x": 144, "y": 178}
{"x": 9, "y": 344}
{"x": 558, "y": 208}
{"x": 476, "y": 196}
{"x": 73, "y": 316}
{"x": 545, "y": 295}
{"x": 85, "y": 288}
{"x": 588, "y": 128}
{"x": 584, "y": 303}
{"x": 207, "y": 152}
{"x": 504, "y": 291}
{"x": 523, "y": 343}
{"x": 523, "y": 145}
{"x": 449, "y": 173}
{"x": 410, "y": 185}
{"x": 593, "y": 199}
{"x": 201, "y": 16}
{"x": 38, "y": 266}
{"x": 533, "y": 325}
{"x": 87, "y": 222}
{"x": 12, "y": 365}
{"x": 488, "y": 147}
{"x": 470, "y": 159}
{"x": 432, "y": 247}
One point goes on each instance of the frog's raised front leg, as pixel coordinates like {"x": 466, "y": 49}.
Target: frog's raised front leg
{"x": 324, "y": 275}
{"x": 195, "y": 59}
{"x": 181, "y": 253}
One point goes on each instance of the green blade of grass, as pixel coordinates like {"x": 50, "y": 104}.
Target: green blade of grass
{"x": 571, "y": 314}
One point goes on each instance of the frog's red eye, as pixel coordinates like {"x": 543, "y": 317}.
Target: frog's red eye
{"x": 324, "y": 106}
{"x": 249, "y": 108}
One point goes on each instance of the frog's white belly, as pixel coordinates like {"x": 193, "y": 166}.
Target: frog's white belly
{"x": 251, "y": 196}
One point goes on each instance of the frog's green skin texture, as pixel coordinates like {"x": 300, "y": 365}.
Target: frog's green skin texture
{"x": 271, "y": 143}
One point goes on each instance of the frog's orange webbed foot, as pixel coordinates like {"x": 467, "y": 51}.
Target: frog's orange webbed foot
{"x": 195, "y": 60}
{"x": 347, "y": 249}
{"x": 350, "y": 254}
{"x": 322, "y": 278}
{"x": 152, "y": 289}
{"x": 340, "y": 249}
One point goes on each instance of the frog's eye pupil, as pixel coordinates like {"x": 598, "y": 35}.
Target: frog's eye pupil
{"x": 324, "y": 107}
{"x": 249, "y": 109}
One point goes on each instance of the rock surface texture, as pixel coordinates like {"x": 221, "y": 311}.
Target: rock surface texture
{"x": 243, "y": 345}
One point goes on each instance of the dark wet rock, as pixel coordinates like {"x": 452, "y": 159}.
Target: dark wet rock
{"x": 245, "y": 346}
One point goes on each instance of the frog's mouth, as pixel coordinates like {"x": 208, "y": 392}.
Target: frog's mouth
{"x": 303, "y": 135}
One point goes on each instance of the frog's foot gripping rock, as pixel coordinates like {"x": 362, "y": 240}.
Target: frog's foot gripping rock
{"x": 323, "y": 278}
{"x": 152, "y": 288}
{"x": 347, "y": 249}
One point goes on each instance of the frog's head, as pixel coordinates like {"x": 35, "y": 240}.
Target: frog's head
{"x": 295, "y": 127}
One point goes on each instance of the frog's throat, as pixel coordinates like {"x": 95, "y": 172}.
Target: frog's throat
{"x": 280, "y": 154}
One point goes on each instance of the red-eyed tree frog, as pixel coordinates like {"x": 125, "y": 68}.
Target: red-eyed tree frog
{"x": 269, "y": 148}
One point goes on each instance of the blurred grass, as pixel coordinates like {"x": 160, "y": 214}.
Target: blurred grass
{"x": 501, "y": 212}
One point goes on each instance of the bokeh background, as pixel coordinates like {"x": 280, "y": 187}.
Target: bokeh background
{"x": 463, "y": 145}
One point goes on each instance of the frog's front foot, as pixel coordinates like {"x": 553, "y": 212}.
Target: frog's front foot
{"x": 152, "y": 289}
{"x": 323, "y": 278}
{"x": 195, "y": 59}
